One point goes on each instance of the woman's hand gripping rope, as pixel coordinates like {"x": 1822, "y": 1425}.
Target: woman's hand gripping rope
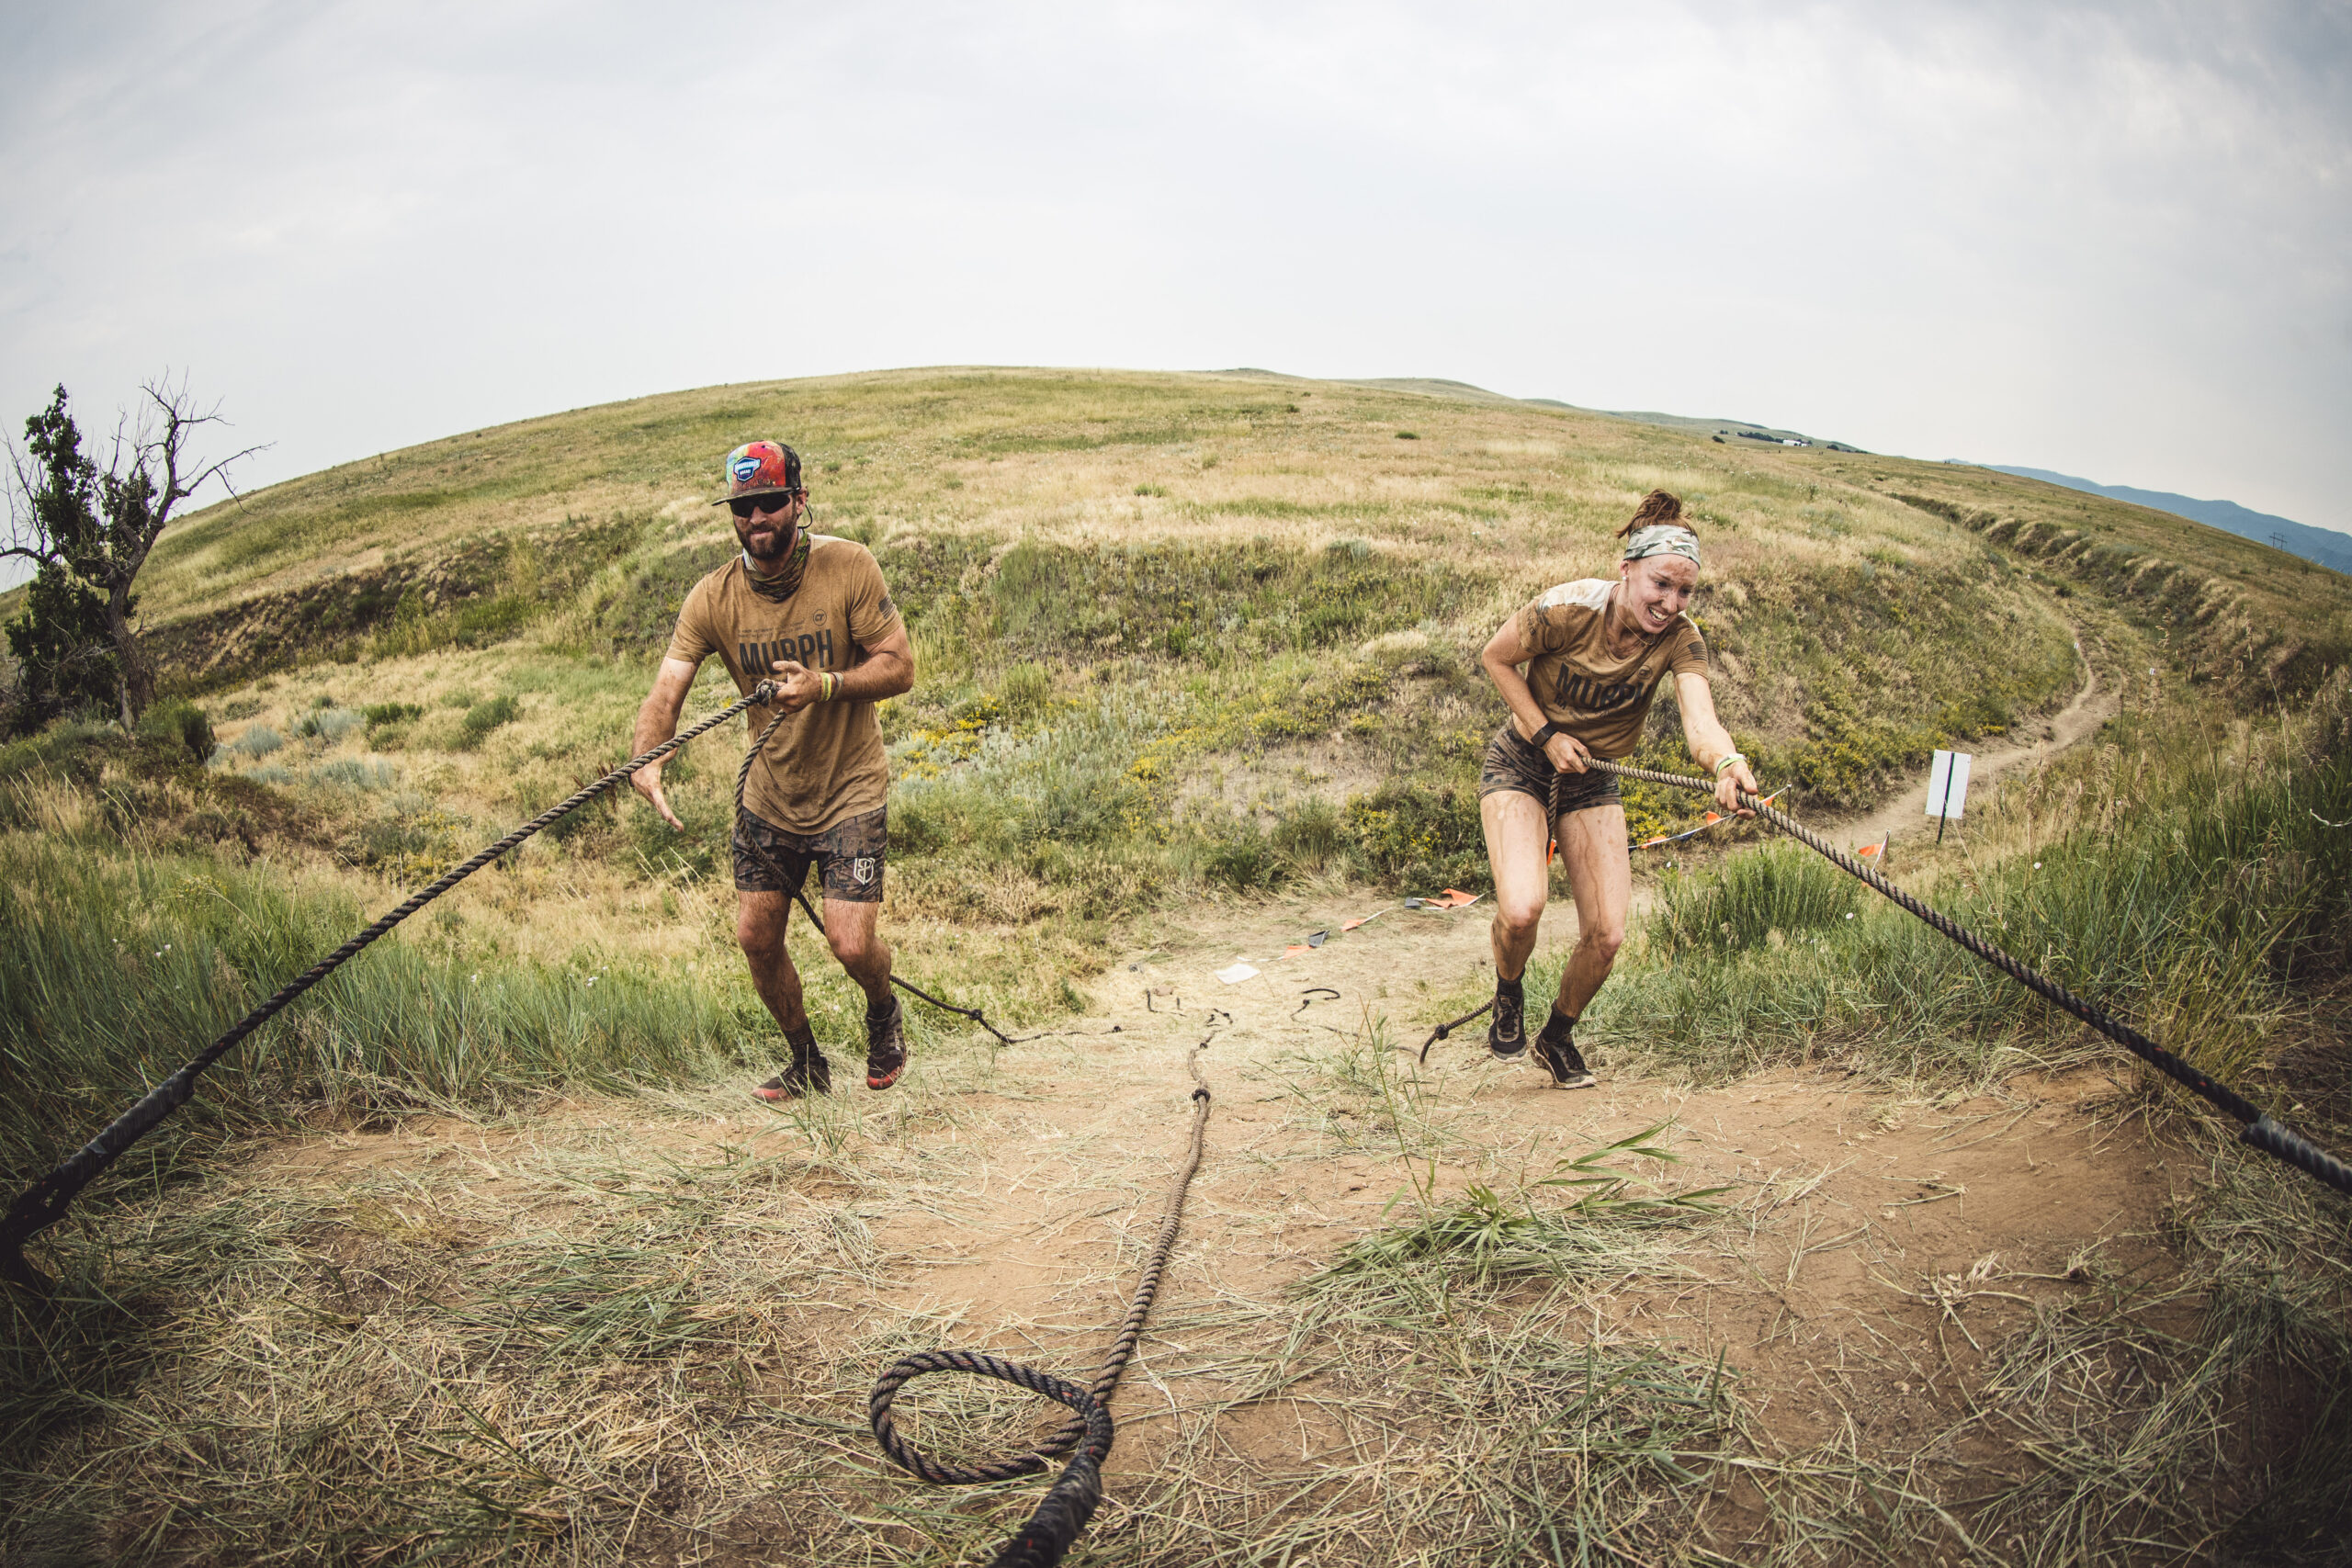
{"x": 45, "y": 1201}
{"x": 1072, "y": 1499}
{"x": 2279, "y": 1142}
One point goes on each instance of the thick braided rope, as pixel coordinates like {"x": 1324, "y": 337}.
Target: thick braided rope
{"x": 742, "y": 776}
{"x": 1073, "y": 1500}
{"x": 45, "y": 1201}
{"x": 2259, "y": 1129}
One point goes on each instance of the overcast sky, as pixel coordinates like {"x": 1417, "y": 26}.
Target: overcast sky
{"x": 2114, "y": 241}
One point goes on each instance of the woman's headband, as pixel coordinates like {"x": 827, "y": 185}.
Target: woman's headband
{"x": 1663, "y": 539}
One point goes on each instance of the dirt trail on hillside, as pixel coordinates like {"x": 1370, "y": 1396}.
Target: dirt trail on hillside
{"x": 1904, "y": 817}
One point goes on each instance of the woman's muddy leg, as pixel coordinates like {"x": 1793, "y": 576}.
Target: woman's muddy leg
{"x": 1600, "y": 876}
{"x": 1517, "y": 851}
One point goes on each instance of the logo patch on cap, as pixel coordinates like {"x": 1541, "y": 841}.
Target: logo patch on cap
{"x": 746, "y": 469}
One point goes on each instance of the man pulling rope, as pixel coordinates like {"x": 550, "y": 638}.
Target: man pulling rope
{"x": 811, "y": 614}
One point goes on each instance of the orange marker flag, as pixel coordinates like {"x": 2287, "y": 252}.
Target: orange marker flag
{"x": 1867, "y": 850}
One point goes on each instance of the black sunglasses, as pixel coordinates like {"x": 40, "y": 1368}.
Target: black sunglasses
{"x": 743, "y": 506}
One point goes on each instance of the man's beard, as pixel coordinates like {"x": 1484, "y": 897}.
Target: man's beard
{"x": 780, "y": 541}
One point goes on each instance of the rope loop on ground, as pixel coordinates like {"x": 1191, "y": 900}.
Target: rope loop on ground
{"x": 1086, "y": 1436}
{"x": 2260, "y": 1130}
{"x": 43, "y": 1203}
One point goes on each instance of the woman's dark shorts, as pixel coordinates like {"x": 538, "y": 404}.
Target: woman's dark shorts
{"x": 1512, "y": 763}
{"x": 848, "y": 857}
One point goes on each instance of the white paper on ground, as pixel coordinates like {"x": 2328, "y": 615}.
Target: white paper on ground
{"x": 1237, "y": 974}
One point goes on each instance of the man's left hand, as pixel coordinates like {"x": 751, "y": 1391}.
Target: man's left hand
{"x": 796, "y": 684}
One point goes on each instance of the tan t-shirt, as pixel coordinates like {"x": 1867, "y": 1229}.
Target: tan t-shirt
{"x": 824, "y": 765}
{"x": 1599, "y": 699}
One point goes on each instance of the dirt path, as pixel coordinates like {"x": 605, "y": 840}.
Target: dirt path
{"x": 1874, "y": 1244}
{"x": 1905, "y": 818}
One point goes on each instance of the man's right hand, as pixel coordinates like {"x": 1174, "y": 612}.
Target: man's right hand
{"x": 647, "y": 782}
{"x": 657, "y": 720}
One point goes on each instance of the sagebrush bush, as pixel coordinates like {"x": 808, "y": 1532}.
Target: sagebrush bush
{"x": 258, "y": 740}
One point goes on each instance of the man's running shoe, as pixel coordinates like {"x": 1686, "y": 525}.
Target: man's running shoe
{"x": 886, "y": 1047}
{"x": 814, "y": 1076}
{"x": 1507, "y": 1033}
{"x": 1556, "y": 1049}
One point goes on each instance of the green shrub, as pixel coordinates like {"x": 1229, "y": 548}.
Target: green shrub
{"x": 391, "y": 713}
{"x": 484, "y": 717}
{"x": 1313, "y": 835}
{"x": 180, "y": 720}
{"x": 1421, "y": 834}
{"x": 1240, "y": 857}
{"x": 1027, "y": 690}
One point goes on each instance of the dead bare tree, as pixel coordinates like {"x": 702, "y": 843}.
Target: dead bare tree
{"x": 89, "y": 530}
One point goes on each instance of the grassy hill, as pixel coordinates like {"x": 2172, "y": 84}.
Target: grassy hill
{"x": 1211, "y": 631}
{"x": 512, "y": 1269}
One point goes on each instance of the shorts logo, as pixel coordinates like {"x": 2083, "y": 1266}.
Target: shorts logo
{"x": 746, "y": 469}
{"x": 862, "y": 868}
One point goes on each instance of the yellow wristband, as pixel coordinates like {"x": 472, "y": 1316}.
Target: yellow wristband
{"x": 827, "y": 684}
{"x": 1726, "y": 761}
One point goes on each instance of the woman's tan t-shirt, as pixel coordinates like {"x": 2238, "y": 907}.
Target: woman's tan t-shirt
{"x": 825, "y": 764}
{"x": 1597, "y": 698}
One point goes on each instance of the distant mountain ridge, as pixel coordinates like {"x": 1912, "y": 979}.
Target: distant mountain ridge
{"x": 2323, "y": 547}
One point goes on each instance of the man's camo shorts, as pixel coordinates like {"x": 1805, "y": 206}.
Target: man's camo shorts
{"x": 848, "y": 857}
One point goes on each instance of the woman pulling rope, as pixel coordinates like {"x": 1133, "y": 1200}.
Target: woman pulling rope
{"x": 1593, "y": 654}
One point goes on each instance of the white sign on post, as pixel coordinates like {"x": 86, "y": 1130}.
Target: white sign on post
{"x": 1948, "y": 787}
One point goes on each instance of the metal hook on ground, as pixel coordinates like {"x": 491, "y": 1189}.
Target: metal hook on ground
{"x": 1309, "y": 995}
{"x": 1442, "y": 1030}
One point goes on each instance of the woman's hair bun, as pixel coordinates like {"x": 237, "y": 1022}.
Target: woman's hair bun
{"x": 1659, "y": 507}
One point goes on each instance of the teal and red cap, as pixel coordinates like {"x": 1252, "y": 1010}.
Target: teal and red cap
{"x": 761, "y": 467}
